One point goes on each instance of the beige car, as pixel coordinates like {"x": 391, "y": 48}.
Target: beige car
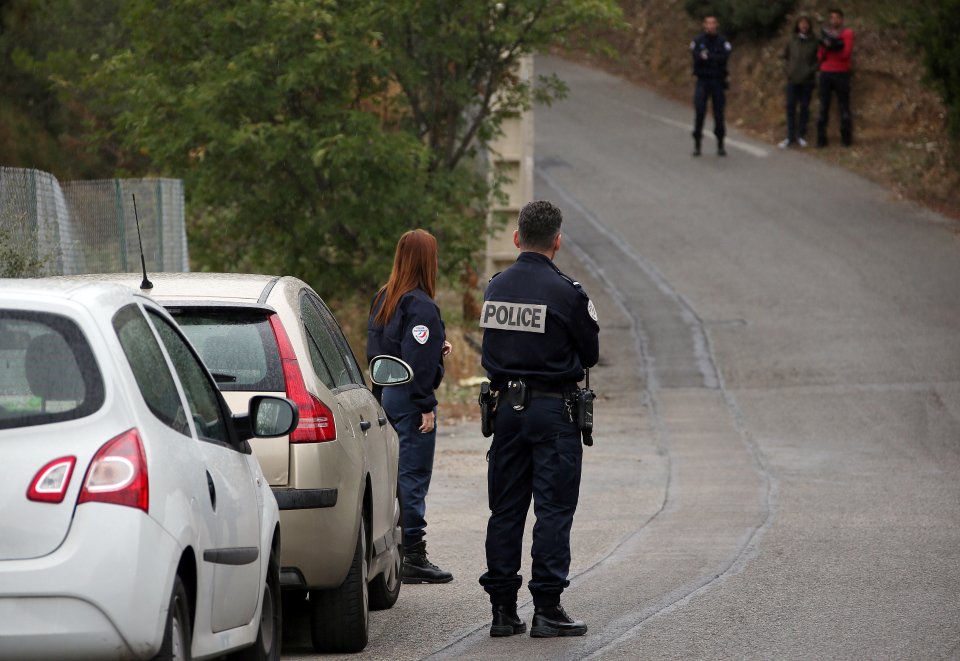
{"x": 335, "y": 476}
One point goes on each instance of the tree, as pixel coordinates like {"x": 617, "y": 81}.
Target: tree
{"x": 933, "y": 25}
{"x": 310, "y": 134}
{"x": 38, "y": 129}
{"x": 456, "y": 63}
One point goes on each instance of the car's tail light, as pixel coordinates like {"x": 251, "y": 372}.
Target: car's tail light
{"x": 316, "y": 419}
{"x": 118, "y": 474}
{"x": 50, "y": 483}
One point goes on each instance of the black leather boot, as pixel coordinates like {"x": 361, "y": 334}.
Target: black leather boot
{"x": 696, "y": 146}
{"x": 720, "y": 150}
{"x": 553, "y": 621}
{"x": 506, "y": 622}
{"x": 417, "y": 569}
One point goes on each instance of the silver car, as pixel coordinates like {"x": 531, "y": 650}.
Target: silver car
{"x": 134, "y": 519}
{"x": 335, "y": 476}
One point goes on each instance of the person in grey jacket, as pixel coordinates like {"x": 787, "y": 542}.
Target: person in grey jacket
{"x": 800, "y": 58}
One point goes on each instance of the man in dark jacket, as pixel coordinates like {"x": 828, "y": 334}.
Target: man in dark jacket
{"x": 710, "y": 53}
{"x": 800, "y": 58}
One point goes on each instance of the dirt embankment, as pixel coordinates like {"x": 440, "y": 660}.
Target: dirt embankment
{"x": 899, "y": 130}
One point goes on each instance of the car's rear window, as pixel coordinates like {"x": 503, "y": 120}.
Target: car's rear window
{"x": 237, "y": 346}
{"x": 47, "y": 370}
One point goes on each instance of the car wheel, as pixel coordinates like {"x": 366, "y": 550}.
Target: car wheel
{"x": 385, "y": 588}
{"x": 267, "y": 647}
{"x": 340, "y": 618}
{"x": 176, "y": 634}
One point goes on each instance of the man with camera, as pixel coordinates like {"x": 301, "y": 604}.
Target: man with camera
{"x": 710, "y": 52}
{"x": 836, "y": 47}
{"x": 540, "y": 332}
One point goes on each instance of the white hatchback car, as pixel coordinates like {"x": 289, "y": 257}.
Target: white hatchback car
{"x": 134, "y": 519}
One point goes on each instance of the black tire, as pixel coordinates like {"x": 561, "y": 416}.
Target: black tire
{"x": 176, "y": 635}
{"x": 340, "y": 618}
{"x": 385, "y": 587}
{"x": 269, "y": 634}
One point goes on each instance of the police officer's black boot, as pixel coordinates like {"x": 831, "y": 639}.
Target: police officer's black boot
{"x": 720, "y": 150}
{"x": 417, "y": 569}
{"x": 696, "y": 146}
{"x": 506, "y": 622}
{"x": 553, "y": 621}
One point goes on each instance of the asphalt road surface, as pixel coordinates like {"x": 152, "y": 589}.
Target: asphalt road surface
{"x": 776, "y": 471}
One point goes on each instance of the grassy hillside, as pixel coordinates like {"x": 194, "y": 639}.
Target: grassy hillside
{"x": 900, "y": 137}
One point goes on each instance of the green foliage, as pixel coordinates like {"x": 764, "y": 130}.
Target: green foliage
{"x": 311, "y": 134}
{"x": 20, "y": 255}
{"x": 43, "y": 130}
{"x": 933, "y": 25}
{"x": 753, "y": 18}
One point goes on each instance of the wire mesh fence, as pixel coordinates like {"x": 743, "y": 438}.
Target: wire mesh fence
{"x": 49, "y": 228}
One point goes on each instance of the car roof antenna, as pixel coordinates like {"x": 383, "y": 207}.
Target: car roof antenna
{"x": 146, "y": 284}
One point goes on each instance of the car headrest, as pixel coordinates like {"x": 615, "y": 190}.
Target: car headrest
{"x": 52, "y": 370}
{"x": 224, "y": 352}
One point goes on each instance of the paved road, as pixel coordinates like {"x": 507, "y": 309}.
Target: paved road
{"x": 777, "y": 466}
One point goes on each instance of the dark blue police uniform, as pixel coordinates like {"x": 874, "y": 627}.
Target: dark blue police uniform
{"x": 711, "y": 73}
{"x": 536, "y": 451}
{"x": 415, "y": 334}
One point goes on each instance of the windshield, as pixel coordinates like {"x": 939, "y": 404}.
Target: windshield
{"x": 47, "y": 370}
{"x": 237, "y": 346}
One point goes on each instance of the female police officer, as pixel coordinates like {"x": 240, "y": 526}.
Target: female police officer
{"x": 405, "y": 322}
{"x": 540, "y": 331}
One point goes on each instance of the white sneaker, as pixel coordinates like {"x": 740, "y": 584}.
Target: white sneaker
{"x": 802, "y": 142}
{"x": 783, "y": 144}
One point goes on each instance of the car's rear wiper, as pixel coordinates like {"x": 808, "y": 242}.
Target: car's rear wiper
{"x": 220, "y": 377}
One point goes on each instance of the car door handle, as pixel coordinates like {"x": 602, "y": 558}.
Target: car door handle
{"x": 365, "y": 425}
{"x": 381, "y": 420}
{"x": 213, "y": 491}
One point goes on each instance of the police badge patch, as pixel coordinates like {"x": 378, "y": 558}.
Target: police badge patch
{"x": 592, "y": 311}
{"x": 421, "y": 334}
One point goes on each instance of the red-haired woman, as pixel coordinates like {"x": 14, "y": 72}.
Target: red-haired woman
{"x": 405, "y": 322}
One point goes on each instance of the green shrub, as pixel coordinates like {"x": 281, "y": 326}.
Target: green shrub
{"x": 755, "y": 18}
{"x": 933, "y": 26}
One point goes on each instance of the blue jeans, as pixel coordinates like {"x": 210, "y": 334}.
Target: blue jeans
{"x": 798, "y": 95}
{"x": 416, "y": 460}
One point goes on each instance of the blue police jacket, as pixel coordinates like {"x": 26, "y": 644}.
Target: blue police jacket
{"x": 714, "y": 65}
{"x": 414, "y": 334}
{"x": 553, "y": 359}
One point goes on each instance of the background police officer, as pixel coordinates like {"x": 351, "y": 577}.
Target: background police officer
{"x": 534, "y": 361}
{"x": 710, "y": 54}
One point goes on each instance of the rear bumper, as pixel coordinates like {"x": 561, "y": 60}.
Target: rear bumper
{"x": 58, "y": 628}
{"x": 304, "y": 499}
{"x": 103, "y": 594}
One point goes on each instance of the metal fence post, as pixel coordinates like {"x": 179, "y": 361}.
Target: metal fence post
{"x": 121, "y": 226}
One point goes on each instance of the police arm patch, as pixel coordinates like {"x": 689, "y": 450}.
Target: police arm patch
{"x": 421, "y": 334}
{"x": 524, "y": 317}
{"x": 592, "y": 310}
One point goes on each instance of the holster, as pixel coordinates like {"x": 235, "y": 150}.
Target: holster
{"x": 488, "y": 409}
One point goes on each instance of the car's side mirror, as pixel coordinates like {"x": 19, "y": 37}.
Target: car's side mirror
{"x": 389, "y": 371}
{"x": 267, "y": 417}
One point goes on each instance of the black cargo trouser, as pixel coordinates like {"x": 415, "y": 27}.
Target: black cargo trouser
{"x": 535, "y": 452}
{"x": 715, "y": 90}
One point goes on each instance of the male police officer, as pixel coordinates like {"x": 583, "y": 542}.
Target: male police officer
{"x": 710, "y": 54}
{"x": 540, "y": 331}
